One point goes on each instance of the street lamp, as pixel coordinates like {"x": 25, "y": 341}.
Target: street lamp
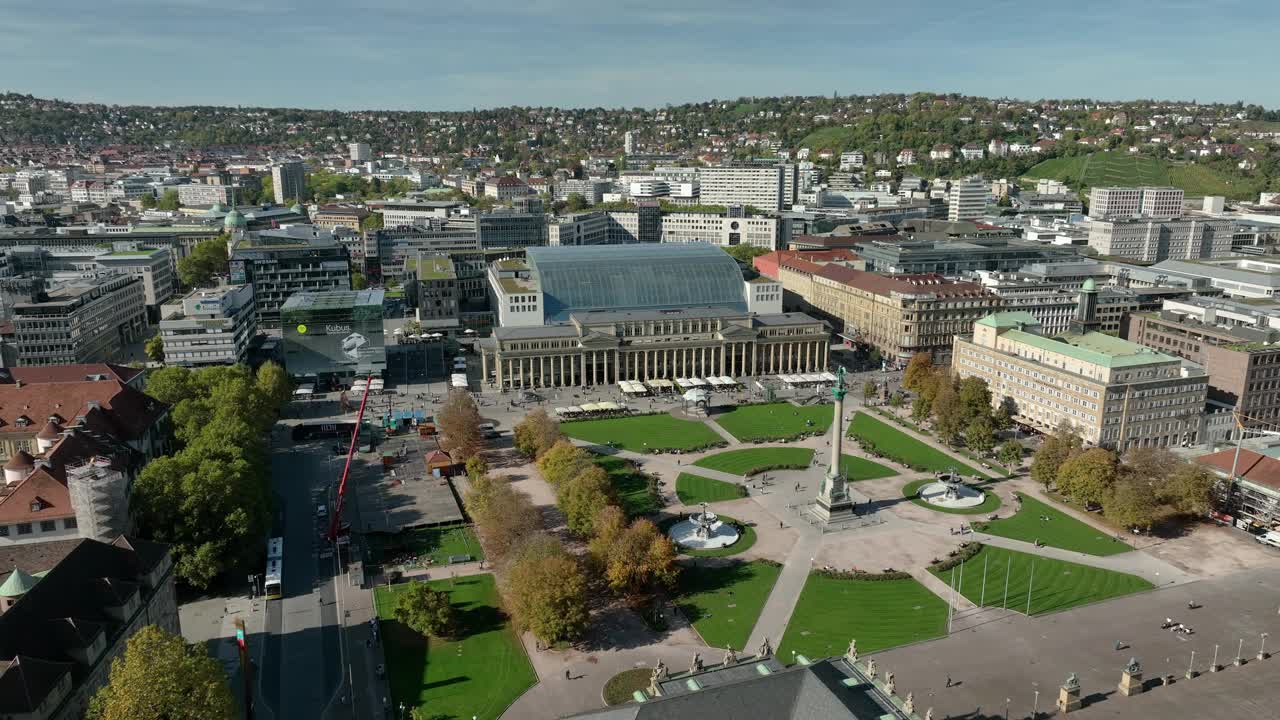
{"x": 1035, "y": 709}
{"x": 1262, "y": 646}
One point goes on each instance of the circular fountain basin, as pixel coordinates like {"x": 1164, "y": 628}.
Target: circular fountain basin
{"x": 686, "y": 533}
{"x": 966, "y": 497}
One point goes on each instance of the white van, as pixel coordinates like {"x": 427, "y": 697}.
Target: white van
{"x": 1271, "y": 538}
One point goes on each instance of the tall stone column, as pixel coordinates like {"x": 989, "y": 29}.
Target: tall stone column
{"x": 833, "y": 498}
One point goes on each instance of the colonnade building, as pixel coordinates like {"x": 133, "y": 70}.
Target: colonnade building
{"x": 597, "y": 315}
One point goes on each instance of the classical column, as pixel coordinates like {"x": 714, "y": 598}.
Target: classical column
{"x": 755, "y": 353}
{"x": 582, "y": 371}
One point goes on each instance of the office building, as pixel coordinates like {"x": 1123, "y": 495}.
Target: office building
{"x": 153, "y": 266}
{"x": 333, "y": 336}
{"x": 770, "y": 188}
{"x": 967, "y": 199}
{"x": 281, "y": 263}
{"x": 72, "y": 610}
{"x": 359, "y": 152}
{"x": 591, "y": 190}
{"x": 1114, "y": 393}
{"x": 901, "y": 315}
{"x": 1127, "y": 203}
{"x": 199, "y": 194}
{"x": 1145, "y": 240}
{"x": 210, "y": 327}
{"x": 510, "y": 228}
{"x": 289, "y": 182}
{"x": 1251, "y": 277}
{"x": 330, "y": 217}
{"x": 386, "y": 250}
{"x": 410, "y": 213}
{"x": 93, "y": 318}
{"x": 649, "y": 224}
{"x": 434, "y": 281}
{"x": 953, "y": 258}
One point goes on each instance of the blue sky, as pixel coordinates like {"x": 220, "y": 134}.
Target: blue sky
{"x": 434, "y": 55}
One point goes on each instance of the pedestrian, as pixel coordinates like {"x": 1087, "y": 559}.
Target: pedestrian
{"x": 779, "y": 524}
{"x": 566, "y": 674}
{"x": 948, "y": 681}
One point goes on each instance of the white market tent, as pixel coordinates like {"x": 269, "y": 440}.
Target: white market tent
{"x": 304, "y": 391}
{"x": 729, "y": 382}
{"x": 660, "y": 384}
{"x": 684, "y": 383}
{"x": 696, "y": 395}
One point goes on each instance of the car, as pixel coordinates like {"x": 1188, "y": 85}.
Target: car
{"x": 322, "y": 510}
{"x": 1271, "y": 538}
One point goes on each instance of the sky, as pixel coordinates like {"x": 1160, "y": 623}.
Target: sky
{"x": 435, "y": 55}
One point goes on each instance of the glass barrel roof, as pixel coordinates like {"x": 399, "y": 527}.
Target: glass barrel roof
{"x": 635, "y": 277}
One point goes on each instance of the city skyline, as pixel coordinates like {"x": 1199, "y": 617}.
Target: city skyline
{"x": 566, "y": 53}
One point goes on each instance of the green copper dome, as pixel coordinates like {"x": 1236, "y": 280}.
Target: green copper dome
{"x": 1089, "y": 285}
{"x": 17, "y": 584}
{"x": 234, "y": 220}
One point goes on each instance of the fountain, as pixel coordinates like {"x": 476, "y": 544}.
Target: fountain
{"x": 703, "y": 531}
{"x": 950, "y": 491}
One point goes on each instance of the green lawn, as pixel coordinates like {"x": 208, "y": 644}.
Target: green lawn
{"x": 643, "y": 432}
{"x": 1055, "y": 584}
{"x": 724, "y": 602}
{"x": 433, "y": 546}
{"x": 775, "y": 421}
{"x": 904, "y": 449}
{"x": 856, "y": 468}
{"x": 629, "y": 485}
{"x": 478, "y": 675}
{"x": 693, "y": 489}
{"x": 878, "y": 613}
{"x": 989, "y": 504}
{"x": 753, "y": 460}
{"x": 1060, "y": 530}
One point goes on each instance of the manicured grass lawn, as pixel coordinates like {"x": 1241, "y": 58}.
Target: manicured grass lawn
{"x": 1060, "y": 530}
{"x": 775, "y": 421}
{"x": 629, "y": 485}
{"x": 480, "y": 674}
{"x": 724, "y": 602}
{"x": 746, "y": 538}
{"x": 856, "y": 468}
{"x": 903, "y": 448}
{"x": 693, "y": 489}
{"x": 878, "y": 613}
{"x": 753, "y": 460}
{"x": 1055, "y": 585}
{"x": 621, "y": 687}
{"x": 643, "y": 432}
{"x": 433, "y": 546}
{"x": 989, "y": 503}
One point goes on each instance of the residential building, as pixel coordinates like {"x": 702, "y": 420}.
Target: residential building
{"x": 852, "y": 159}
{"x": 98, "y": 595}
{"x": 1048, "y": 186}
{"x": 281, "y": 263}
{"x": 333, "y": 336}
{"x": 198, "y": 194}
{"x": 901, "y": 315}
{"x": 1114, "y": 393}
{"x": 972, "y": 151}
{"x": 1144, "y": 240}
{"x": 89, "y": 319}
{"x": 769, "y": 188}
{"x": 289, "y": 182}
{"x": 330, "y": 217}
{"x": 967, "y": 199}
{"x": 1127, "y": 203}
{"x": 628, "y": 142}
{"x": 505, "y": 188}
{"x": 210, "y": 327}
{"x": 359, "y": 152}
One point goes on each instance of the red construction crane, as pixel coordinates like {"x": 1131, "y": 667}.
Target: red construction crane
{"x": 336, "y": 521}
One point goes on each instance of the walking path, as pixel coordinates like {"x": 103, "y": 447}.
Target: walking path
{"x": 1154, "y": 570}
{"x": 776, "y": 612}
{"x": 728, "y": 436}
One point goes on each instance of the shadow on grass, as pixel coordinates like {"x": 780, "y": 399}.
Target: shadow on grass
{"x": 704, "y": 578}
{"x": 445, "y": 683}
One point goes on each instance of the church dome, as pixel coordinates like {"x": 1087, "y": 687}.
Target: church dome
{"x": 234, "y": 220}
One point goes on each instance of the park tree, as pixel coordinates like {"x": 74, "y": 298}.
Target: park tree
{"x": 1155, "y": 465}
{"x": 477, "y": 467}
{"x": 359, "y": 281}
{"x": 1054, "y": 450}
{"x": 1131, "y": 503}
{"x": 974, "y": 398}
{"x": 1087, "y": 477}
{"x": 273, "y": 386}
{"x": 869, "y": 389}
{"x": 536, "y": 433}
{"x": 582, "y": 497}
{"x": 562, "y": 461}
{"x": 207, "y": 260}
{"x": 504, "y": 518}
{"x": 161, "y": 677}
{"x": 919, "y": 367}
{"x": 576, "y": 202}
{"x": 459, "y": 421}
{"x": 948, "y": 414}
{"x": 373, "y": 221}
{"x": 980, "y": 436}
{"x": 641, "y": 559}
{"x": 169, "y": 201}
{"x": 154, "y": 348}
{"x": 427, "y": 611}
{"x": 546, "y": 591}
{"x": 1188, "y": 489}
{"x": 608, "y": 526}
{"x": 148, "y": 202}
{"x": 1001, "y": 417}
{"x": 1010, "y": 453}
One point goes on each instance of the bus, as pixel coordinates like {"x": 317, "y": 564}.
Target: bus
{"x": 272, "y": 586}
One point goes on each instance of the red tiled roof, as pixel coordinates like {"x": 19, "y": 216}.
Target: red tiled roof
{"x": 122, "y": 412}
{"x": 1254, "y": 467}
{"x": 68, "y": 373}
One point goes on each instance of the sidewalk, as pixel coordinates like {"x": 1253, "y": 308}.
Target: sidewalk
{"x": 776, "y": 612}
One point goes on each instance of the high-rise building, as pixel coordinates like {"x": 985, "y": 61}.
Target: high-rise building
{"x": 213, "y": 327}
{"x": 360, "y": 152}
{"x": 769, "y": 187}
{"x": 282, "y": 262}
{"x": 1124, "y": 203}
{"x": 289, "y": 180}
{"x": 967, "y": 199}
{"x": 628, "y": 142}
{"x": 90, "y": 319}
{"x": 1148, "y": 240}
